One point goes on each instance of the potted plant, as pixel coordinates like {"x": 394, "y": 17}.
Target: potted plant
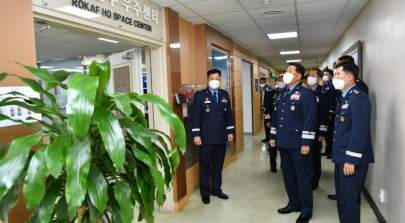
{"x": 102, "y": 163}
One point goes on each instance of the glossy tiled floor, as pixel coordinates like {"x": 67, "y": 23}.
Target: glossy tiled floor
{"x": 256, "y": 194}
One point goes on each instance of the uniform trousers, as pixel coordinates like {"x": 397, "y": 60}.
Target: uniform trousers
{"x": 348, "y": 190}
{"x": 212, "y": 159}
{"x": 297, "y": 173}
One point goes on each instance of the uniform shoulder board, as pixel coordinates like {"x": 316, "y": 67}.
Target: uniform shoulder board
{"x": 356, "y": 92}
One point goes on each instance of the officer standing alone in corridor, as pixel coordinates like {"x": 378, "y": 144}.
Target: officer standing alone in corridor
{"x": 212, "y": 128}
{"x": 352, "y": 149}
{"x": 313, "y": 79}
{"x": 293, "y": 131}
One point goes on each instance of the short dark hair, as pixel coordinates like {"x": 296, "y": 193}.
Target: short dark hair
{"x": 346, "y": 59}
{"x": 351, "y": 68}
{"x": 262, "y": 79}
{"x": 213, "y": 71}
{"x": 299, "y": 68}
{"x": 328, "y": 71}
{"x": 318, "y": 71}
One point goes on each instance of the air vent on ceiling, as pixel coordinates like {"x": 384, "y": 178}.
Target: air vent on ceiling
{"x": 271, "y": 13}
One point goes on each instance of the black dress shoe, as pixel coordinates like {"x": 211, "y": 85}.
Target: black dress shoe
{"x": 221, "y": 195}
{"x": 315, "y": 186}
{"x": 273, "y": 170}
{"x": 265, "y": 140}
{"x": 287, "y": 210}
{"x": 303, "y": 219}
{"x": 329, "y": 157}
{"x": 205, "y": 200}
{"x": 332, "y": 197}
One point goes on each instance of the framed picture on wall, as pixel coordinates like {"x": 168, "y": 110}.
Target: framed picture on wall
{"x": 356, "y": 51}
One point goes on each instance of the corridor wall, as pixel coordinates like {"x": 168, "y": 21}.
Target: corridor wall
{"x": 381, "y": 27}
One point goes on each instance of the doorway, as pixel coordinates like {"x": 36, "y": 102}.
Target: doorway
{"x": 60, "y": 47}
{"x": 247, "y": 97}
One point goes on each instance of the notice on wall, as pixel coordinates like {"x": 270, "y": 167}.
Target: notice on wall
{"x": 16, "y": 112}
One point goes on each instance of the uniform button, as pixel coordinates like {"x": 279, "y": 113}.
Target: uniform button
{"x": 281, "y": 126}
{"x": 282, "y": 118}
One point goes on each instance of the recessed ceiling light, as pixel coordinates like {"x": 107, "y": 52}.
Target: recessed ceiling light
{"x": 282, "y": 35}
{"x": 78, "y": 12}
{"x": 294, "y": 61}
{"x": 290, "y": 52}
{"x": 271, "y": 13}
{"x": 221, "y": 58}
{"x": 175, "y": 45}
{"x": 107, "y": 40}
{"x": 47, "y": 67}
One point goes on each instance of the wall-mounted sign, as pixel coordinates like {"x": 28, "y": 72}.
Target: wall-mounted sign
{"x": 16, "y": 112}
{"x": 136, "y": 16}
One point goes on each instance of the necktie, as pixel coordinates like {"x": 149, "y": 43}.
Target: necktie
{"x": 216, "y": 96}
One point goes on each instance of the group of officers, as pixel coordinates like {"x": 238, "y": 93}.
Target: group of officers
{"x": 302, "y": 113}
{"x": 299, "y": 117}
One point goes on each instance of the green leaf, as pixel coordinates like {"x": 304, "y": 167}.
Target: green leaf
{"x": 81, "y": 96}
{"x": 123, "y": 102}
{"x": 97, "y": 188}
{"x": 77, "y": 168}
{"x": 122, "y": 193}
{"x": 3, "y": 75}
{"x": 103, "y": 72}
{"x": 171, "y": 118}
{"x": 44, "y": 213}
{"x": 42, "y": 74}
{"x": 139, "y": 133}
{"x": 112, "y": 135}
{"x": 8, "y": 202}
{"x": 13, "y": 164}
{"x": 34, "y": 183}
{"x": 61, "y": 75}
{"x": 55, "y": 155}
{"x": 143, "y": 157}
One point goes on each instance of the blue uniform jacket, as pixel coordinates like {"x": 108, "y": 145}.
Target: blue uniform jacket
{"x": 210, "y": 120}
{"x": 294, "y": 118}
{"x": 352, "y": 138}
{"x": 268, "y": 102}
{"x": 323, "y": 111}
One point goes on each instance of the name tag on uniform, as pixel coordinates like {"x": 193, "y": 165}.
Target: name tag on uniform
{"x": 317, "y": 99}
{"x": 296, "y": 96}
{"x": 224, "y": 100}
{"x": 345, "y": 106}
{"x": 207, "y": 101}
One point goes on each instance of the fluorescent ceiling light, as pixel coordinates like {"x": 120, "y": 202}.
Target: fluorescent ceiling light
{"x": 175, "y": 45}
{"x": 282, "y": 35}
{"x": 78, "y": 12}
{"x": 47, "y": 67}
{"x": 107, "y": 40}
{"x": 221, "y": 58}
{"x": 294, "y": 61}
{"x": 290, "y": 52}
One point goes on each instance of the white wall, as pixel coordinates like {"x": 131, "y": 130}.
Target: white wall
{"x": 247, "y": 97}
{"x": 381, "y": 27}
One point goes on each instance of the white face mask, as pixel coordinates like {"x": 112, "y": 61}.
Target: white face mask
{"x": 262, "y": 85}
{"x": 325, "y": 78}
{"x": 312, "y": 81}
{"x": 280, "y": 85}
{"x": 214, "y": 84}
{"x": 339, "y": 84}
{"x": 288, "y": 77}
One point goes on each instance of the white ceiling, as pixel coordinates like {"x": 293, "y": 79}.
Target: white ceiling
{"x": 58, "y": 43}
{"x": 319, "y": 23}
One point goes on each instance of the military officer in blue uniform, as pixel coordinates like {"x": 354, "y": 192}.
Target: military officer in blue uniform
{"x": 265, "y": 94}
{"x": 269, "y": 103}
{"x": 212, "y": 128}
{"x": 314, "y": 77}
{"x": 360, "y": 84}
{"x": 352, "y": 149}
{"x": 293, "y": 130}
{"x": 332, "y": 98}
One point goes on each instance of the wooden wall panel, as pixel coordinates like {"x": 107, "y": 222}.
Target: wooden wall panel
{"x": 174, "y": 76}
{"x": 17, "y": 43}
{"x": 188, "y": 64}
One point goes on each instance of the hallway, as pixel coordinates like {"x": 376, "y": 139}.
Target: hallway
{"x": 256, "y": 194}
